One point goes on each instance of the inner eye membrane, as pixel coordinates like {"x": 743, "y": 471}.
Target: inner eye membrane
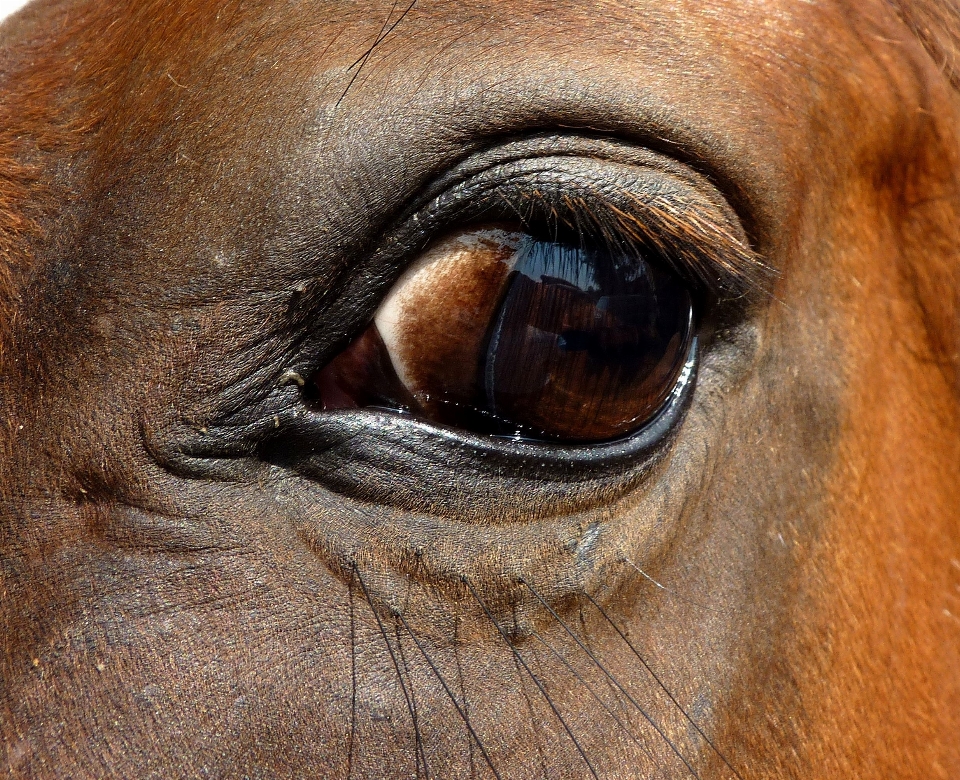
{"x": 502, "y": 332}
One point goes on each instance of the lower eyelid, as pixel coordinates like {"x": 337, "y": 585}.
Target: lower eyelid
{"x": 383, "y": 457}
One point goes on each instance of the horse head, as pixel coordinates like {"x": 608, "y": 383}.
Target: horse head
{"x": 502, "y": 389}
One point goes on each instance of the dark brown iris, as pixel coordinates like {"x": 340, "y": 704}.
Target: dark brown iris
{"x": 497, "y": 332}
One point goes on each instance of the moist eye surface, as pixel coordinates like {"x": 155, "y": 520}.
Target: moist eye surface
{"x": 496, "y": 330}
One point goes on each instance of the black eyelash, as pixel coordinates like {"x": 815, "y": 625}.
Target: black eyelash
{"x": 627, "y": 222}
{"x": 613, "y": 194}
{"x": 598, "y": 192}
{"x": 624, "y": 209}
{"x": 700, "y": 250}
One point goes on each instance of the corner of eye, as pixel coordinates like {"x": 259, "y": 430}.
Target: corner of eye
{"x": 291, "y": 377}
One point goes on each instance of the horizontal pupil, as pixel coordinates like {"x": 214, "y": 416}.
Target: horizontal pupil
{"x": 585, "y": 348}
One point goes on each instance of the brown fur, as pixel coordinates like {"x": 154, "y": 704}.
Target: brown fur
{"x": 193, "y": 204}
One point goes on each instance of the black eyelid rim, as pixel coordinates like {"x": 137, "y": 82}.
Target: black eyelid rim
{"x": 540, "y": 462}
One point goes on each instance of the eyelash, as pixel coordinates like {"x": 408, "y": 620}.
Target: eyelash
{"x": 614, "y": 209}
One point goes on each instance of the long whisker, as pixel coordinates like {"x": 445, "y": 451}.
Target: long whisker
{"x": 533, "y": 677}
{"x": 663, "y": 687}
{"x": 353, "y": 681}
{"x": 453, "y": 698}
{"x": 376, "y": 42}
{"x": 463, "y": 691}
{"x": 664, "y": 588}
{"x": 612, "y": 679}
{"x": 419, "y": 755}
{"x": 534, "y": 720}
{"x": 413, "y": 704}
{"x": 381, "y": 37}
{"x": 595, "y": 695}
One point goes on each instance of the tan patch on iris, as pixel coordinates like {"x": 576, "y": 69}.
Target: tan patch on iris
{"x": 435, "y": 321}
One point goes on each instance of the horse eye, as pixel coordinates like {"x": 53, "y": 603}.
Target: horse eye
{"x": 502, "y": 332}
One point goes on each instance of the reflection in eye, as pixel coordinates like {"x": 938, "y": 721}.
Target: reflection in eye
{"x": 499, "y": 332}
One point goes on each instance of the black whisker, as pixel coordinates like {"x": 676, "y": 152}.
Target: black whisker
{"x": 413, "y": 704}
{"x": 353, "y": 681}
{"x": 418, "y": 755}
{"x": 612, "y": 679}
{"x": 533, "y": 720}
{"x": 453, "y": 698}
{"x": 595, "y": 695}
{"x": 663, "y": 687}
{"x": 362, "y": 59}
{"x": 381, "y": 37}
{"x": 533, "y": 677}
{"x": 463, "y": 691}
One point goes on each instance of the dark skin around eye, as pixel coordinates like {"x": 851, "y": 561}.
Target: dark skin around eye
{"x": 206, "y": 573}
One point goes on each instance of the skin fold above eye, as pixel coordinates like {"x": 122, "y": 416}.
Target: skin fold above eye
{"x": 203, "y": 573}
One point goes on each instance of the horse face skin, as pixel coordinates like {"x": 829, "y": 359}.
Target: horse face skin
{"x": 201, "y": 576}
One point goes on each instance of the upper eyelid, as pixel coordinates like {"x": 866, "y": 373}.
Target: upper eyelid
{"x": 619, "y": 204}
{"x": 710, "y": 250}
{"x": 700, "y": 246}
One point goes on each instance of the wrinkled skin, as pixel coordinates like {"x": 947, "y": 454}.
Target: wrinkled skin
{"x": 199, "y": 579}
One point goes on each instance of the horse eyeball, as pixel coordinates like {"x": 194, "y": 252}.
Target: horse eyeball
{"x": 501, "y": 332}
{"x": 435, "y": 322}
